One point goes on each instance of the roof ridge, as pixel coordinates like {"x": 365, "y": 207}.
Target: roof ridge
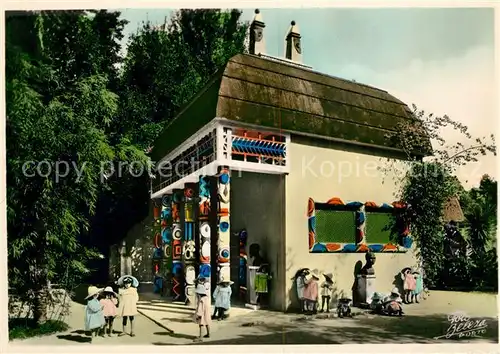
{"x": 310, "y": 69}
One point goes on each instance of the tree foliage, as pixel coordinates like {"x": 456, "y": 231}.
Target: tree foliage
{"x": 58, "y": 106}
{"x": 166, "y": 66}
{"x": 430, "y": 183}
{"x": 71, "y": 98}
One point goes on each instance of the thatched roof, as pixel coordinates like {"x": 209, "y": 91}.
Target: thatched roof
{"x": 453, "y": 211}
{"x": 274, "y": 94}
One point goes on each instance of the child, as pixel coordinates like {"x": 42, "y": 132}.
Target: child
{"x": 300, "y": 281}
{"x": 128, "y": 303}
{"x": 409, "y": 284}
{"x": 311, "y": 292}
{"x": 202, "y": 314}
{"x": 326, "y": 292}
{"x": 222, "y": 296}
{"x": 419, "y": 286}
{"x": 392, "y": 303}
{"x": 94, "y": 316}
{"x": 108, "y": 303}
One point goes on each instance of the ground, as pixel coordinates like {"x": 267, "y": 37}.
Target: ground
{"x": 164, "y": 323}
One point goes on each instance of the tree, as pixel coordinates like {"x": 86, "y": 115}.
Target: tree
{"x": 58, "y": 110}
{"x": 429, "y": 184}
{"x": 163, "y": 69}
{"x": 481, "y": 215}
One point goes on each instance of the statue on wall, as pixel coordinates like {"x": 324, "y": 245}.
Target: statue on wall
{"x": 368, "y": 267}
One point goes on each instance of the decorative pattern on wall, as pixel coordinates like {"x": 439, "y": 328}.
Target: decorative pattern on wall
{"x": 224, "y": 233}
{"x": 205, "y": 270}
{"x": 202, "y": 152}
{"x": 166, "y": 236}
{"x": 361, "y": 237}
{"x": 157, "y": 245}
{"x": 258, "y": 147}
{"x": 156, "y": 228}
{"x": 177, "y": 233}
{"x": 189, "y": 247}
{"x": 242, "y": 278}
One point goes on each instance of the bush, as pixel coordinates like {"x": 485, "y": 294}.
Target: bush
{"x": 27, "y": 328}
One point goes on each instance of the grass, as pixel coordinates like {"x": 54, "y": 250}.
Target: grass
{"x": 27, "y": 328}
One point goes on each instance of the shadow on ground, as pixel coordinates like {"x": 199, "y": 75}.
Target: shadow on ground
{"x": 180, "y": 320}
{"x": 78, "y": 336}
{"x": 362, "y": 330}
{"x": 173, "y": 335}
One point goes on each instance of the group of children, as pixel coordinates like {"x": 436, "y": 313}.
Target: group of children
{"x": 104, "y": 305}
{"x": 413, "y": 285}
{"x": 392, "y": 304}
{"x": 308, "y": 291}
{"x": 222, "y": 303}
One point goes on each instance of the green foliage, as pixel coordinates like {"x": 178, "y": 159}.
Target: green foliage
{"x": 164, "y": 68}
{"x": 481, "y": 228}
{"x": 72, "y": 99}
{"x": 22, "y": 329}
{"x": 429, "y": 184}
{"x": 58, "y": 109}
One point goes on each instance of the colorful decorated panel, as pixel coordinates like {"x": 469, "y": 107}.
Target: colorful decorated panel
{"x": 205, "y": 230}
{"x": 336, "y": 226}
{"x": 242, "y": 278}
{"x": 177, "y": 245}
{"x": 189, "y": 247}
{"x": 224, "y": 232}
{"x": 259, "y": 147}
{"x": 156, "y": 228}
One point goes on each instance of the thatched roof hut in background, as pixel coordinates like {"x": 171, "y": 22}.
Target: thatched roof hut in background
{"x": 453, "y": 211}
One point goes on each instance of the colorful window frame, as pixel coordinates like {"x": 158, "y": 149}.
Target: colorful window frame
{"x": 360, "y": 243}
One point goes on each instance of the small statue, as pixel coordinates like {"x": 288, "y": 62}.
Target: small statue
{"x": 344, "y": 307}
{"x": 368, "y": 267}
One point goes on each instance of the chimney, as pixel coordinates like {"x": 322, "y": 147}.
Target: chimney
{"x": 257, "y": 43}
{"x": 293, "y": 45}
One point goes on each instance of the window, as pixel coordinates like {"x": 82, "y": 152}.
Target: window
{"x": 356, "y": 227}
{"x": 335, "y": 226}
{"x": 379, "y": 227}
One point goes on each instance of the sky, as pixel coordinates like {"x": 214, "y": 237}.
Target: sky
{"x": 442, "y": 60}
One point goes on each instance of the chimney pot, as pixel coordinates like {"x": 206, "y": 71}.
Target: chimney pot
{"x": 257, "y": 42}
{"x": 293, "y": 48}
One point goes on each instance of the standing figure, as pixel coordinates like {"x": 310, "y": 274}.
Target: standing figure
{"x": 128, "y": 302}
{"x": 109, "y": 301}
{"x": 300, "y": 281}
{"x": 202, "y": 315}
{"x": 311, "y": 292}
{"x": 222, "y": 296}
{"x": 94, "y": 315}
{"x": 419, "y": 285}
{"x": 409, "y": 284}
{"x": 326, "y": 291}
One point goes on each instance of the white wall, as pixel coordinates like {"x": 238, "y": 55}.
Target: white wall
{"x": 322, "y": 173}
